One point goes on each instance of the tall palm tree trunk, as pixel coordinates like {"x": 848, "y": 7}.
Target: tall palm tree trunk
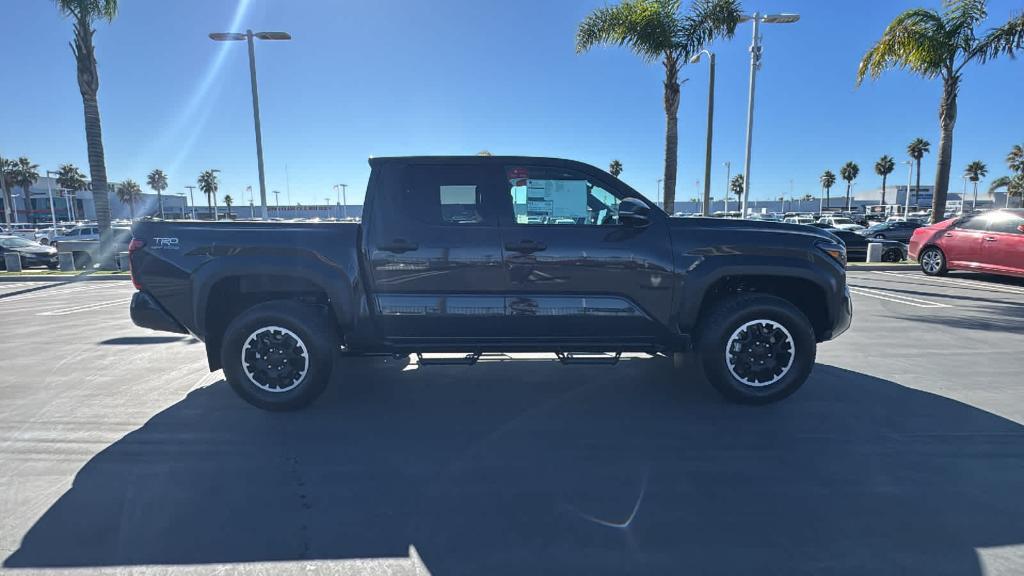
{"x": 828, "y": 198}
{"x": 883, "y": 188}
{"x": 848, "y": 196}
{"x": 947, "y": 120}
{"x": 89, "y": 85}
{"x": 671, "y": 131}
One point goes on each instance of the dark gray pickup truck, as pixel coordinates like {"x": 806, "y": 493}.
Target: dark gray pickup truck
{"x": 494, "y": 254}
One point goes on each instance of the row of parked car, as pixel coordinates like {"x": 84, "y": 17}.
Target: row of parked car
{"x": 40, "y": 246}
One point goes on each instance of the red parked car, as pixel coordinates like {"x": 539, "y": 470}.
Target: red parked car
{"x": 988, "y": 242}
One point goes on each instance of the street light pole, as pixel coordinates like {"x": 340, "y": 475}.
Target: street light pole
{"x": 728, "y": 175}
{"x": 910, "y": 175}
{"x": 755, "y": 64}
{"x": 344, "y": 200}
{"x": 49, "y": 191}
{"x": 192, "y": 200}
{"x": 659, "y": 196}
{"x": 711, "y": 117}
{"x": 248, "y": 37}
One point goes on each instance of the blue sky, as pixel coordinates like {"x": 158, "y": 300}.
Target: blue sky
{"x": 384, "y": 77}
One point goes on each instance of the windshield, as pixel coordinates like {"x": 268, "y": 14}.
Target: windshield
{"x": 16, "y": 243}
{"x": 842, "y": 221}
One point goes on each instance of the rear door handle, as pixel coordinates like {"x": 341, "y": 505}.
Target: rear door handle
{"x": 399, "y": 245}
{"x": 948, "y": 234}
{"x": 526, "y": 246}
{"x": 991, "y": 239}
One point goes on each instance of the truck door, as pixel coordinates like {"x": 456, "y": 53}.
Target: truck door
{"x": 576, "y": 273}
{"x": 434, "y": 252}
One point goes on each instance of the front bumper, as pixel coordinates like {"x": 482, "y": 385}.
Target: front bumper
{"x": 147, "y": 313}
{"x": 843, "y": 317}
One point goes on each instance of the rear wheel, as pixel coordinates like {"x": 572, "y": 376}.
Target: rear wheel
{"x": 892, "y": 255}
{"x": 933, "y": 262}
{"x": 879, "y": 236}
{"x": 278, "y": 355}
{"x": 756, "y": 349}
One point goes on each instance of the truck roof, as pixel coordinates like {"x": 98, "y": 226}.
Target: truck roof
{"x": 475, "y": 160}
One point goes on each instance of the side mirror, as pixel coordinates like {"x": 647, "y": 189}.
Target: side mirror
{"x": 1020, "y": 228}
{"x": 634, "y": 213}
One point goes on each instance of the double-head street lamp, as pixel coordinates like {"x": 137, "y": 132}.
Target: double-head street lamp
{"x": 755, "y": 64}
{"x": 248, "y": 36}
{"x": 343, "y": 200}
{"x": 711, "y": 117}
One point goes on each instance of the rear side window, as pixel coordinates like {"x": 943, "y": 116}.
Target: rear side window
{"x": 1006, "y": 223}
{"x": 446, "y": 195}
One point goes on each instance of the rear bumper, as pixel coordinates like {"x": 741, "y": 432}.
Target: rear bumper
{"x": 147, "y": 313}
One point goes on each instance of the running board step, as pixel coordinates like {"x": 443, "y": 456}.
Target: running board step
{"x": 584, "y": 358}
{"x": 467, "y": 360}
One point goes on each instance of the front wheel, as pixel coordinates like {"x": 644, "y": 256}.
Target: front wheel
{"x": 933, "y": 262}
{"x": 756, "y": 349}
{"x": 879, "y": 236}
{"x": 278, "y": 355}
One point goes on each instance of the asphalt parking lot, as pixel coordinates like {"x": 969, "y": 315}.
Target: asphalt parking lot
{"x": 903, "y": 453}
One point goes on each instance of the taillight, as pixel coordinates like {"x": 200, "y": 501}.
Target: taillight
{"x": 134, "y": 246}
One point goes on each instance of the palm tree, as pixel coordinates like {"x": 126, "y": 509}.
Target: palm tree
{"x": 157, "y": 181}
{"x": 1015, "y": 159}
{"x": 808, "y": 197}
{"x": 975, "y": 171}
{"x": 828, "y": 180}
{"x": 656, "y": 30}
{"x": 70, "y": 179}
{"x": 84, "y": 14}
{"x": 208, "y": 185}
{"x": 1014, "y": 184}
{"x": 883, "y": 168}
{"x": 24, "y": 174}
{"x": 129, "y": 193}
{"x": 736, "y": 187}
{"x": 7, "y": 182}
{"x": 615, "y": 168}
{"x": 916, "y": 150}
{"x": 849, "y": 172}
{"x": 935, "y": 45}
{"x": 229, "y": 201}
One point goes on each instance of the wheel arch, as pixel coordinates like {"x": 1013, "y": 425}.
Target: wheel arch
{"x": 221, "y": 293}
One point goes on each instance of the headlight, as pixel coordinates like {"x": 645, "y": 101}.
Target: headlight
{"x": 836, "y": 251}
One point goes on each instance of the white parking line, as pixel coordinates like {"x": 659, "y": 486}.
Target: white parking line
{"x": 53, "y": 292}
{"x": 83, "y": 308}
{"x": 958, "y": 282}
{"x": 897, "y": 298}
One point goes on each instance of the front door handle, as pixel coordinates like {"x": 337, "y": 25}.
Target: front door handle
{"x": 948, "y": 234}
{"x": 526, "y": 246}
{"x": 991, "y": 239}
{"x": 399, "y": 245}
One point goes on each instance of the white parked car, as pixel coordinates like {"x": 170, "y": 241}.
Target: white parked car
{"x": 840, "y": 222}
{"x": 799, "y": 220}
{"x": 46, "y": 236}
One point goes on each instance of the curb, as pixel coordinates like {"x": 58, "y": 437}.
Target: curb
{"x": 881, "y": 267}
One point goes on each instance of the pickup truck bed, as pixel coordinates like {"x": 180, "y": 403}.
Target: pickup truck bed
{"x": 487, "y": 254}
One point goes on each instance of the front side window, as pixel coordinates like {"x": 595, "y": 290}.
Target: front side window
{"x": 557, "y": 196}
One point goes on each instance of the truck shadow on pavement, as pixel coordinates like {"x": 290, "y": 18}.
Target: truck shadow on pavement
{"x": 537, "y": 468}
